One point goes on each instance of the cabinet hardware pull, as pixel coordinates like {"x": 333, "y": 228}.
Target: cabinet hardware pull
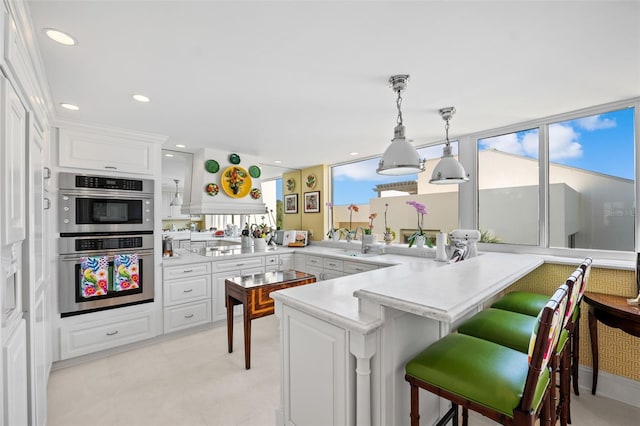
{"x": 111, "y": 167}
{"x": 189, "y": 316}
{"x": 188, "y": 290}
{"x": 239, "y": 264}
{"x": 113, "y": 333}
{"x": 47, "y": 203}
{"x": 359, "y": 269}
{"x": 186, "y": 271}
{"x": 46, "y": 173}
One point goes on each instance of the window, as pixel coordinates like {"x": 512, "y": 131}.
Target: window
{"x": 357, "y": 183}
{"x": 591, "y": 182}
{"x": 508, "y": 188}
{"x": 589, "y": 192}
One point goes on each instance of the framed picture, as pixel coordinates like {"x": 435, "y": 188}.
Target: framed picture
{"x": 291, "y": 203}
{"x": 312, "y": 202}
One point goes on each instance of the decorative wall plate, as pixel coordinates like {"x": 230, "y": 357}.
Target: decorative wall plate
{"x": 291, "y": 184}
{"x": 212, "y": 189}
{"x": 256, "y": 193}
{"x": 254, "y": 171}
{"x": 311, "y": 181}
{"x": 235, "y": 182}
{"x": 212, "y": 166}
{"x": 234, "y": 159}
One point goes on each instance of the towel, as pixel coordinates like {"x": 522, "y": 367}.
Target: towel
{"x": 94, "y": 271}
{"x": 125, "y": 271}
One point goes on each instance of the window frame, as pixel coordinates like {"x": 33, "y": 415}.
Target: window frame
{"x": 469, "y": 211}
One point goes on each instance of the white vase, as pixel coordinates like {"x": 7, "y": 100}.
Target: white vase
{"x": 419, "y": 241}
{"x": 369, "y": 239}
{"x": 334, "y": 235}
{"x": 259, "y": 244}
{"x": 388, "y": 238}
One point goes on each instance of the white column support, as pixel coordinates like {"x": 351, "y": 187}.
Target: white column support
{"x": 363, "y": 347}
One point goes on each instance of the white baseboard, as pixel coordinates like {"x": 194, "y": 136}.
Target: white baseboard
{"x": 611, "y": 386}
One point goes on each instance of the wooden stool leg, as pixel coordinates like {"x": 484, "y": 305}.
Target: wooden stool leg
{"x": 415, "y": 410}
{"x": 465, "y": 416}
{"x": 565, "y": 387}
{"x": 229, "y": 303}
{"x": 247, "y": 336}
{"x": 575, "y": 353}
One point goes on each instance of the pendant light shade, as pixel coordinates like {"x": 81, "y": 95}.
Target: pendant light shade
{"x": 177, "y": 199}
{"x": 400, "y": 158}
{"x": 448, "y": 170}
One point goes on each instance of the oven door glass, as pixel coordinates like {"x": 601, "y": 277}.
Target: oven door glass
{"x": 103, "y": 277}
{"x": 108, "y": 210}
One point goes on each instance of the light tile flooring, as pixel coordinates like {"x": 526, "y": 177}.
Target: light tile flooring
{"x": 192, "y": 380}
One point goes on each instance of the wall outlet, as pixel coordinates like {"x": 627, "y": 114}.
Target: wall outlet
{"x": 310, "y": 233}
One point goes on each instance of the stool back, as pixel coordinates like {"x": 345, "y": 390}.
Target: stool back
{"x": 544, "y": 340}
{"x": 575, "y": 285}
{"x": 586, "y": 272}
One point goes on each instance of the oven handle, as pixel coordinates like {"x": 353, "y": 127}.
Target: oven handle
{"x": 76, "y": 256}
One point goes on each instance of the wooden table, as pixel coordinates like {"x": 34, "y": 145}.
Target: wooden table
{"x": 252, "y": 291}
{"x": 613, "y": 311}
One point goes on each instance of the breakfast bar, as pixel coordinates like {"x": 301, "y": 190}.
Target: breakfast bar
{"x": 345, "y": 341}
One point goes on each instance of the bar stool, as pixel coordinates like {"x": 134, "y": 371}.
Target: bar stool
{"x": 531, "y": 303}
{"x": 506, "y": 385}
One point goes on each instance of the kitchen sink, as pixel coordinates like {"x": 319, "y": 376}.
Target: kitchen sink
{"x": 222, "y": 243}
{"x": 354, "y": 253}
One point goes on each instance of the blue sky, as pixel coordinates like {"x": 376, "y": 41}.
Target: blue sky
{"x": 601, "y": 143}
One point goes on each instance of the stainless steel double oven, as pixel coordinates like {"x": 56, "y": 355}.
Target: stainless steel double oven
{"x": 106, "y": 242}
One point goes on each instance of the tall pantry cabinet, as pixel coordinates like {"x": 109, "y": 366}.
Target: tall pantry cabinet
{"x": 25, "y": 332}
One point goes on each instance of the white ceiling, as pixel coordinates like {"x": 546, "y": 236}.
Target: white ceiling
{"x": 306, "y": 82}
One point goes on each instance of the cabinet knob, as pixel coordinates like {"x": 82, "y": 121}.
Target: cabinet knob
{"x": 112, "y": 333}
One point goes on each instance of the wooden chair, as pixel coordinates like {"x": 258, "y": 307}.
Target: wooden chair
{"x": 506, "y": 385}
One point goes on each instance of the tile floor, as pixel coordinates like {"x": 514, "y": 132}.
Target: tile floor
{"x": 192, "y": 380}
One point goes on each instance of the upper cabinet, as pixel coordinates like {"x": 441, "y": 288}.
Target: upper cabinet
{"x": 13, "y": 125}
{"x": 88, "y": 148}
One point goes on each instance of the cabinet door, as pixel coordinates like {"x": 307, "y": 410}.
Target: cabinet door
{"x": 98, "y": 151}
{"x": 300, "y": 262}
{"x": 219, "y": 309}
{"x": 15, "y": 377}
{"x": 13, "y": 125}
{"x": 286, "y": 261}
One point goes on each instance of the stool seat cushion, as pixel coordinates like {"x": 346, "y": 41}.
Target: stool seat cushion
{"x": 522, "y": 302}
{"x": 505, "y": 328}
{"x": 478, "y": 370}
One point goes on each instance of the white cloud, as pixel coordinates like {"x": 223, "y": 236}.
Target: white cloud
{"x": 563, "y": 143}
{"x": 362, "y": 170}
{"x": 595, "y": 122}
{"x": 505, "y": 143}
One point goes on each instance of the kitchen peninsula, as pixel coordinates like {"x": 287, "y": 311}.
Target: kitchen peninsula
{"x": 343, "y": 357}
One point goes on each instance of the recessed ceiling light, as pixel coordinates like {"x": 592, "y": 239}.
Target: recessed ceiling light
{"x": 141, "y": 98}
{"x": 277, "y": 161}
{"x": 168, "y": 155}
{"x": 60, "y": 37}
{"x": 180, "y": 146}
{"x": 69, "y": 106}
{"x": 353, "y": 153}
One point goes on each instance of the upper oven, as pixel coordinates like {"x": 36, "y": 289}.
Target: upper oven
{"x": 100, "y": 204}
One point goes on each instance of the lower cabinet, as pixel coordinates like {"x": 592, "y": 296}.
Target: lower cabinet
{"x": 15, "y": 376}
{"x": 92, "y": 336}
{"x": 187, "y": 296}
{"x": 219, "y": 307}
{"x": 318, "y": 371}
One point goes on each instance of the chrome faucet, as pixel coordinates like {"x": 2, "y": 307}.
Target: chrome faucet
{"x": 364, "y": 247}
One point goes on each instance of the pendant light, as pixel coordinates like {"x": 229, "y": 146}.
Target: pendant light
{"x": 448, "y": 170}
{"x": 400, "y": 158}
{"x": 177, "y": 199}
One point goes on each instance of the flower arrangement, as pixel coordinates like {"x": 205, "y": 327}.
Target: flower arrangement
{"x": 368, "y": 230}
{"x": 421, "y": 210}
{"x": 389, "y": 235}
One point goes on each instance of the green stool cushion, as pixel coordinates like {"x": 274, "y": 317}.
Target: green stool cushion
{"x": 505, "y": 328}
{"x": 522, "y": 302}
{"x": 478, "y": 370}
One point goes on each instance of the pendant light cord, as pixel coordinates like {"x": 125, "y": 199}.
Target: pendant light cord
{"x": 398, "y": 104}
{"x": 446, "y": 128}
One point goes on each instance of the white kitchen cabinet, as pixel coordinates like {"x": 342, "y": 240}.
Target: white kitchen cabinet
{"x": 317, "y": 352}
{"x": 96, "y": 335}
{"x": 14, "y": 351}
{"x": 13, "y": 127}
{"x": 187, "y": 296}
{"x": 300, "y": 262}
{"x": 350, "y": 267}
{"x": 279, "y": 262}
{"x": 96, "y": 150}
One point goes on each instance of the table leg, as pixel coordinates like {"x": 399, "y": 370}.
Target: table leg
{"x": 593, "y": 333}
{"x": 247, "y": 335}
{"x": 229, "y": 302}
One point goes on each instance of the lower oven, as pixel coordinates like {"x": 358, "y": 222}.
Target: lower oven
{"x": 104, "y": 272}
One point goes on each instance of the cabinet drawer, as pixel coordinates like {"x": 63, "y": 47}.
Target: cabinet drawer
{"x": 99, "y": 335}
{"x": 315, "y": 261}
{"x": 271, "y": 261}
{"x": 184, "y": 271}
{"x": 187, "y": 290}
{"x": 356, "y": 267}
{"x": 244, "y": 263}
{"x": 333, "y": 264}
{"x": 187, "y": 315}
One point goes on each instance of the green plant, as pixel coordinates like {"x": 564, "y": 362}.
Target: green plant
{"x": 488, "y": 237}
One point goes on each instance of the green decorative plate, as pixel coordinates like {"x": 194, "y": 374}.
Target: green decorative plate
{"x": 211, "y": 166}
{"x": 254, "y": 171}
{"x": 234, "y": 159}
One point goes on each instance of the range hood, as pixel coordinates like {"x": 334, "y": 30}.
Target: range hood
{"x": 223, "y": 183}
